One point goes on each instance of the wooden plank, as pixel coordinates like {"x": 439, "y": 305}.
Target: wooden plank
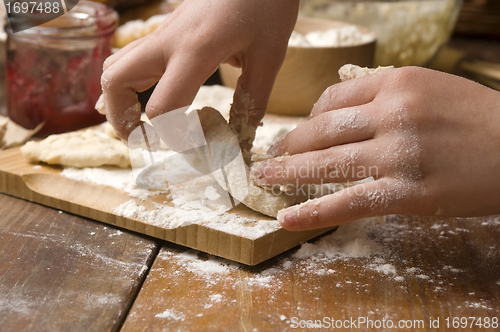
{"x": 448, "y": 268}
{"x": 60, "y": 272}
{"x": 44, "y": 184}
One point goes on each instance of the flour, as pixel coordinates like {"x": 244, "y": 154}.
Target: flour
{"x": 217, "y": 96}
{"x": 211, "y": 193}
{"x": 204, "y": 268}
{"x": 216, "y": 298}
{"x": 171, "y": 314}
{"x": 408, "y": 32}
{"x": 365, "y": 243}
{"x": 122, "y": 179}
{"x": 195, "y": 212}
{"x": 347, "y": 35}
{"x": 385, "y": 269}
{"x": 270, "y": 132}
{"x": 350, "y": 240}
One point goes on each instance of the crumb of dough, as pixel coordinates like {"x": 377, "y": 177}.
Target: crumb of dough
{"x": 80, "y": 149}
{"x": 260, "y": 157}
{"x": 349, "y": 71}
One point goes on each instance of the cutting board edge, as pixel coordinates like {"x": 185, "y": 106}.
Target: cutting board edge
{"x": 236, "y": 248}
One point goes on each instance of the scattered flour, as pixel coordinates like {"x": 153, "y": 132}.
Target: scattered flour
{"x": 211, "y": 193}
{"x": 216, "y": 298}
{"x": 371, "y": 247}
{"x": 349, "y": 240}
{"x": 478, "y": 305}
{"x": 423, "y": 276}
{"x": 122, "y": 179}
{"x": 189, "y": 212}
{"x": 171, "y": 314}
{"x": 191, "y": 262}
{"x": 491, "y": 221}
{"x": 386, "y": 269}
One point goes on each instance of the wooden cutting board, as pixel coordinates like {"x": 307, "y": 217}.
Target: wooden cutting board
{"x": 45, "y": 185}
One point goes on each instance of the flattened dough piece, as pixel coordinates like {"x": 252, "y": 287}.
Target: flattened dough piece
{"x": 349, "y": 71}
{"x": 87, "y": 148}
{"x": 237, "y": 173}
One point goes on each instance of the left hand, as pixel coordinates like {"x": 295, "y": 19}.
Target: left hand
{"x": 430, "y": 140}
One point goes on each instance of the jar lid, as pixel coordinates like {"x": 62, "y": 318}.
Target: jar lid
{"x": 86, "y": 18}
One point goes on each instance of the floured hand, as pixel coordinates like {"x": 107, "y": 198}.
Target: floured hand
{"x": 430, "y": 140}
{"x": 188, "y": 47}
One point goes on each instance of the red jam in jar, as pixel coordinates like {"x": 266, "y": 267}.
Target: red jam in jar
{"x": 54, "y": 70}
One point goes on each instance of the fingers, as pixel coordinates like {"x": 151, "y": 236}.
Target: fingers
{"x": 359, "y": 91}
{"x": 336, "y": 164}
{"x": 124, "y": 78}
{"x": 326, "y": 130}
{"x": 173, "y": 94}
{"x": 179, "y": 84}
{"x": 124, "y": 50}
{"x": 259, "y": 71}
{"x": 360, "y": 201}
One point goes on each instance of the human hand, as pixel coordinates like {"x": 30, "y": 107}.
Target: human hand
{"x": 430, "y": 140}
{"x": 188, "y": 47}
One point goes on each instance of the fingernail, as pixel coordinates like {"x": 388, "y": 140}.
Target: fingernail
{"x": 288, "y": 218}
{"x": 257, "y": 172}
{"x": 273, "y": 150}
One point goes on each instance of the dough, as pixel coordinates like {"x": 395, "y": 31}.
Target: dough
{"x": 224, "y": 152}
{"x": 81, "y": 149}
{"x": 136, "y": 29}
{"x": 349, "y": 72}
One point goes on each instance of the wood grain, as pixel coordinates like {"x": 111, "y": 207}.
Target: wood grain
{"x": 46, "y": 186}
{"x": 60, "y": 272}
{"x": 479, "y": 17}
{"x": 450, "y": 268}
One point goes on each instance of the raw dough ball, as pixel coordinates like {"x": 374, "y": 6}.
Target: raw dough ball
{"x": 87, "y": 148}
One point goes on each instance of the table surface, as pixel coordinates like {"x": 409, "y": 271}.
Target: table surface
{"x": 61, "y": 272}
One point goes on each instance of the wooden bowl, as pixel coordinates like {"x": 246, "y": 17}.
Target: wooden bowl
{"x": 307, "y": 71}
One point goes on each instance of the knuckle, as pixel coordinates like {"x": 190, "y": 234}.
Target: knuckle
{"x": 153, "y": 109}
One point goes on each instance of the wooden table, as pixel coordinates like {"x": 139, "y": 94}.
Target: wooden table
{"x": 60, "y": 272}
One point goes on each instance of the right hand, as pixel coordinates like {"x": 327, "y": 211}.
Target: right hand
{"x": 188, "y": 47}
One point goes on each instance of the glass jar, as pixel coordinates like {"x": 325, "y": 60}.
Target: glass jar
{"x": 54, "y": 70}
